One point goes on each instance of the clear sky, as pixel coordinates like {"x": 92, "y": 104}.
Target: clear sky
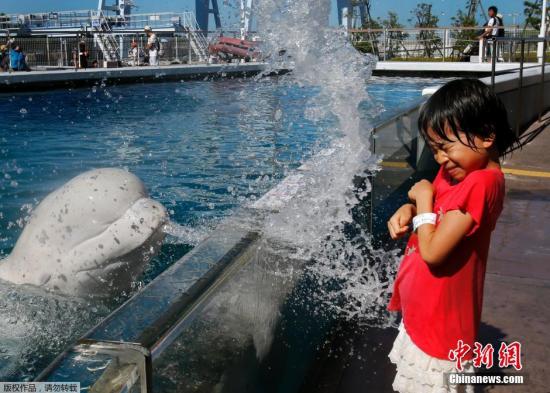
{"x": 443, "y": 8}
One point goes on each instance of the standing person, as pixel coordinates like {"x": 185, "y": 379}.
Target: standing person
{"x": 439, "y": 285}
{"x": 493, "y": 28}
{"x": 82, "y": 55}
{"x": 134, "y": 54}
{"x": 152, "y": 46}
{"x": 4, "y": 58}
{"x": 17, "y": 59}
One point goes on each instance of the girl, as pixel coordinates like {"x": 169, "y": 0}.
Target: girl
{"x": 439, "y": 285}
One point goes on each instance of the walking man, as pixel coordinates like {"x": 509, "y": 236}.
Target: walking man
{"x": 152, "y": 46}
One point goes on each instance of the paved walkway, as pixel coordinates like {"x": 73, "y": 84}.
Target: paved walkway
{"x": 517, "y": 291}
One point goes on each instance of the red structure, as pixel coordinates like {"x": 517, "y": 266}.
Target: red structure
{"x": 228, "y": 48}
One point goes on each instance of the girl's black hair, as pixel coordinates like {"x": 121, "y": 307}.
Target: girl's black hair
{"x": 468, "y": 106}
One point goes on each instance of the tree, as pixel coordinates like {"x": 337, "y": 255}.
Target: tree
{"x": 533, "y": 14}
{"x": 395, "y": 35}
{"x": 370, "y": 44}
{"x": 463, "y": 37}
{"x": 425, "y": 20}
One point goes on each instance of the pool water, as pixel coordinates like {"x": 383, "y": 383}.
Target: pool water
{"x": 202, "y": 148}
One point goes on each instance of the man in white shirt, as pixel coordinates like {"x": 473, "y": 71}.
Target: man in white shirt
{"x": 492, "y": 27}
{"x": 152, "y": 46}
{"x": 493, "y": 22}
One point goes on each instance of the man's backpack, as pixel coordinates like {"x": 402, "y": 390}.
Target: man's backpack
{"x": 501, "y": 31}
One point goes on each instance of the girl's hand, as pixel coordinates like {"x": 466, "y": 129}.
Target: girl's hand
{"x": 398, "y": 225}
{"x": 422, "y": 190}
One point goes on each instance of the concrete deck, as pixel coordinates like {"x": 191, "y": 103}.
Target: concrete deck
{"x": 69, "y": 77}
{"x": 36, "y": 80}
{"x": 517, "y": 291}
{"x": 442, "y": 69}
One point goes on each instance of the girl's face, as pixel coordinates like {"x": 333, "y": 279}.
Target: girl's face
{"x": 456, "y": 157}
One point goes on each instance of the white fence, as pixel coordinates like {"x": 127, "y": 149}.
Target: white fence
{"x": 438, "y": 44}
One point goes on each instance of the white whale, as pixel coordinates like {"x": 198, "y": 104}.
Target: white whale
{"x": 91, "y": 237}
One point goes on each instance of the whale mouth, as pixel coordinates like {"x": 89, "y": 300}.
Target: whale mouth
{"x": 113, "y": 259}
{"x": 120, "y": 274}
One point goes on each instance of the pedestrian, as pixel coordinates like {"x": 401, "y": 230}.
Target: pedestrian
{"x": 152, "y": 46}
{"x": 4, "y": 58}
{"x": 494, "y": 29}
{"x": 134, "y": 54}
{"x": 82, "y": 55}
{"x": 439, "y": 284}
{"x": 17, "y": 59}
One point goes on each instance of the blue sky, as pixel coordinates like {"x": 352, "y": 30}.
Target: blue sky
{"x": 443, "y": 8}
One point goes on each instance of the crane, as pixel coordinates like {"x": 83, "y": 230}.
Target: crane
{"x": 203, "y": 11}
{"x": 473, "y": 7}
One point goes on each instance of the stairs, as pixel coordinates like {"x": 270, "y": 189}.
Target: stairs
{"x": 197, "y": 39}
{"x": 103, "y": 36}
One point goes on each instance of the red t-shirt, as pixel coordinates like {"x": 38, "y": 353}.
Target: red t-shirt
{"x": 442, "y": 304}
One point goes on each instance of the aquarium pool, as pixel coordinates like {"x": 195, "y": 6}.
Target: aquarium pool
{"x": 202, "y": 148}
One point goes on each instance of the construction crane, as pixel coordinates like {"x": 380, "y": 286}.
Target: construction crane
{"x": 348, "y": 15}
{"x": 203, "y": 11}
{"x": 473, "y": 7}
{"x": 122, "y": 8}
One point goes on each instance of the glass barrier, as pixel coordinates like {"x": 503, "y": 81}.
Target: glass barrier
{"x": 236, "y": 313}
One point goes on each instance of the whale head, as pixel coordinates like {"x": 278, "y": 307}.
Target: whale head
{"x": 91, "y": 237}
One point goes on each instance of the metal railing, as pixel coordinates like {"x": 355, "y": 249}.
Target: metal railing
{"x": 197, "y": 40}
{"x": 51, "y": 52}
{"x": 437, "y": 44}
{"x": 83, "y": 18}
{"x": 542, "y": 64}
{"x": 103, "y": 37}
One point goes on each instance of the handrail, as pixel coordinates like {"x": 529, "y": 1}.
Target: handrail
{"x": 521, "y": 68}
{"x": 398, "y": 29}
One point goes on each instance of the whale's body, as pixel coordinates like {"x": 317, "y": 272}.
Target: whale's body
{"x": 91, "y": 237}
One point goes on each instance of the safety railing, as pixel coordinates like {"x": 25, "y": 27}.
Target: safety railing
{"x": 103, "y": 37}
{"x": 542, "y": 46}
{"x": 118, "y": 354}
{"x": 197, "y": 39}
{"x": 51, "y": 52}
{"x": 83, "y": 18}
{"x": 437, "y": 44}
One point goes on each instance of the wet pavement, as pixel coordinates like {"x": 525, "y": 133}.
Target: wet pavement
{"x": 517, "y": 290}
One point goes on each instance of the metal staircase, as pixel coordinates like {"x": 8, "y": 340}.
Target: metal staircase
{"x": 103, "y": 36}
{"x": 197, "y": 38}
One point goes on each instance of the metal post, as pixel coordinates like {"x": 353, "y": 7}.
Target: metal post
{"x": 444, "y": 52}
{"x": 542, "y": 33}
{"x": 481, "y": 50}
{"x": 493, "y": 63}
{"x": 48, "y": 49}
{"x": 121, "y": 46}
{"x": 177, "y": 57}
{"x": 542, "y": 100}
{"x": 385, "y": 43}
{"x": 520, "y": 90}
{"x": 189, "y": 47}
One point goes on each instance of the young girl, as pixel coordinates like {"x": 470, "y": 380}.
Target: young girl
{"x": 439, "y": 286}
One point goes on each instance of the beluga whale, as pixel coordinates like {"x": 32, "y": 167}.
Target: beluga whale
{"x": 93, "y": 236}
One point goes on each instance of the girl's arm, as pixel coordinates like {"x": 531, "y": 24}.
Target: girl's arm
{"x": 398, "y": 225}
{"x": 436, "y": 244}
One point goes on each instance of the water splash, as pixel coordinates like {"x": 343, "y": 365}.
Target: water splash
{"x": 317, "y": 223}
{"x": 37, "y": 325}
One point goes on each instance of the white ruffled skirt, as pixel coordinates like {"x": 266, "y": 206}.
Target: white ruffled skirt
{"x": 418, "y": 372}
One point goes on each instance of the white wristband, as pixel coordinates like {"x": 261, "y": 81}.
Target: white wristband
{"x": 424, "y": 218}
